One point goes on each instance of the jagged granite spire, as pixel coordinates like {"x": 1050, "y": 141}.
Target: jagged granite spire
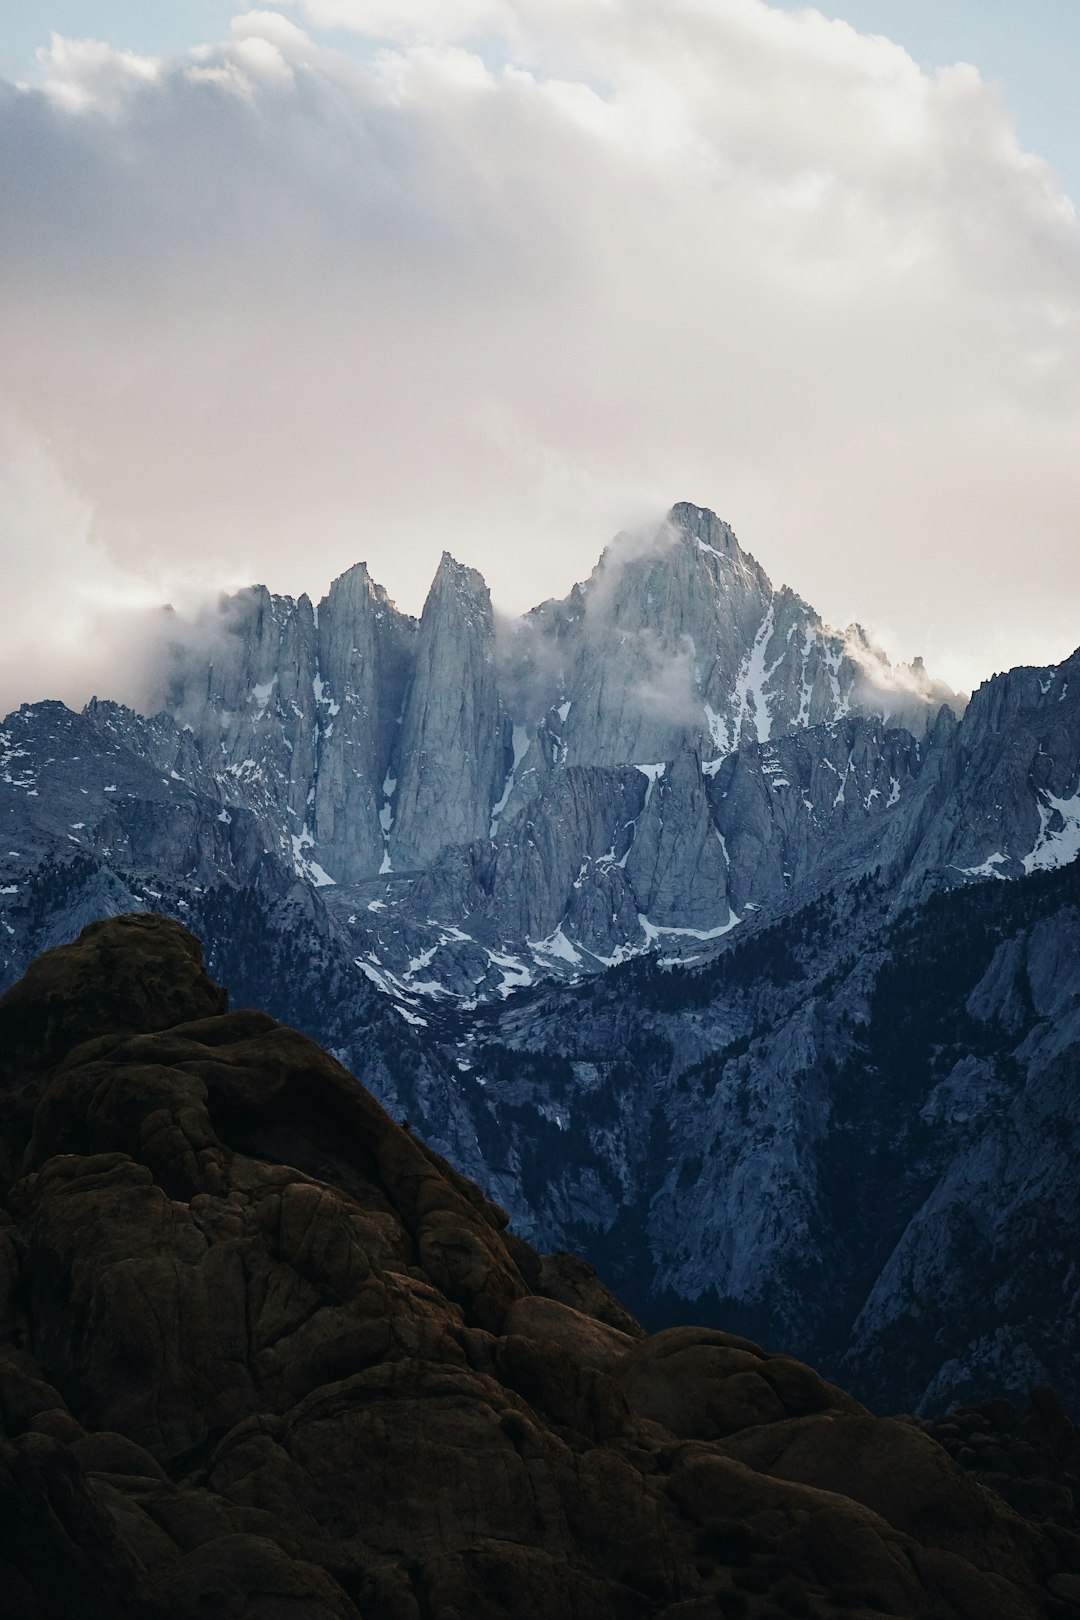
{"x": 452, "y": 757}
{"x": 365, "y": 651}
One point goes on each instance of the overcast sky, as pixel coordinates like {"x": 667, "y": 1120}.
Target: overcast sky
{"x": 286, "y": 288}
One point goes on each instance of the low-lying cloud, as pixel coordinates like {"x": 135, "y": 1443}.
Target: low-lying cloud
{"x": 78, "y": 623}
{"x": 518, "y": 271}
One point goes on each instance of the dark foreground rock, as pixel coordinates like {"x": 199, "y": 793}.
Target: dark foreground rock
{"x": 1030, "y": 1458}
{"x": 263, "y": 1354}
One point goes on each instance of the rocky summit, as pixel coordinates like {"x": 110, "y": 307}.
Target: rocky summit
{"x": 264, "y": 1354}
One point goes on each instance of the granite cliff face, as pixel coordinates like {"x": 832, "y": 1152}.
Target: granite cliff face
{"x": 452, "y": 756}
{"x": 482, "y": 798}
{"x": 262, "y": 1353}
{"x": 677, "y": 640}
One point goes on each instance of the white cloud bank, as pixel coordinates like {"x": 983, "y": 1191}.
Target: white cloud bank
{"x": 76, "y": 621}
{"x": 522, "y": 272}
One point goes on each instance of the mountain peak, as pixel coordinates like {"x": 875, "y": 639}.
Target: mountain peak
{"x": 356, "y": 592}
{"x": 358, "y": 575}
{"x": 459, "y": 577}
{"x": 701, "y": 523}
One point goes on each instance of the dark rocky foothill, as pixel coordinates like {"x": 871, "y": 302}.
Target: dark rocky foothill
{"x": 263, "y": 1354}
{"x": 1031, "y": 1458}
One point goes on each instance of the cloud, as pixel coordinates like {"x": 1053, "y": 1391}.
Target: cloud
{"x": 77, "y": 622}
{"x": 440, "y": 20}
{"x": 651, "y": 537}
{"x": 516, "y": 272}
{"x": 668, "y": 691}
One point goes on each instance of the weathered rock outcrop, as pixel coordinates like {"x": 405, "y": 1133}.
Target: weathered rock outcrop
{"x": 264, "y": 1354}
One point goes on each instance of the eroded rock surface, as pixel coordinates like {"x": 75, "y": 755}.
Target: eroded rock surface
{"x": 263, "y": 1354}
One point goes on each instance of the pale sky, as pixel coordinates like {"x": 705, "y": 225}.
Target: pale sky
{"x": 287, "y": 287}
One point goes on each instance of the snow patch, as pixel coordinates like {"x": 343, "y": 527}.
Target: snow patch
{"x": 386, "y": 818}
{"x": 1055, "y": 846}
{"x": 718, "y": 728}
{"x": 422, "y": 961}
{"x": 260, "y": 693}
{"x": 653, "y": 773}
{"x": 409, "y": 1017}
{"x": 988, "y": 869}
{"x": 520, "y": 742}
{"x": 318, "y": 686}
{"x": 751, "y": 703}
{"x": 557, "y": 945}
{"x": 516, "y": 976}
{"x": 304, "y": 866}
{"x": 654, "y": 931}
{"x": 370, "y": 971}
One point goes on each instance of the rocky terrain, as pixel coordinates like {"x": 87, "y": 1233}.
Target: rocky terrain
{"x": 263, "y": 1354}
{"x": 855, "y": 1131}
{"x": 710, "y": 945}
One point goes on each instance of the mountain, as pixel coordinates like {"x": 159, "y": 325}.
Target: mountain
{"x": 710, "y": 945}
{"x": 263, "y": 1353}
{"x": 484, "y": 802}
